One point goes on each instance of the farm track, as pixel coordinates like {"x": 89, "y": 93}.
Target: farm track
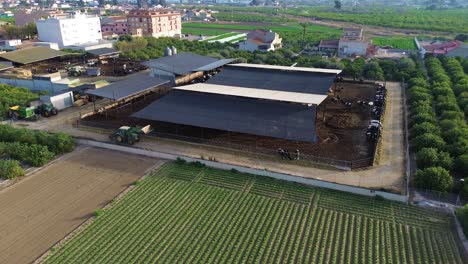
{"x": 44, "y": 207}
{"x": 187, "y": 213}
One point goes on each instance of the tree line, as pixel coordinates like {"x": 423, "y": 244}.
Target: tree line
{"x": 438, "y": 133}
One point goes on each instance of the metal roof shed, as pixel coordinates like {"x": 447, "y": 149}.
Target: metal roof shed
{"x": 31, "y": 55}
{"x": 275, "y": 79}
{"x": 135, "y": 84}
{"x": 236, "y": 114}
{"x": 185, "y": 63}
{"x": 104, "y": 53}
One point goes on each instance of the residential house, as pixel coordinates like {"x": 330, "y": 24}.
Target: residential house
{"x": 263, "y": 40}
{"x": 329, "y": 46}
{"x": 450, "y": 48}
{"x": 198, "y": 15}
{"x": 353, "y": 43}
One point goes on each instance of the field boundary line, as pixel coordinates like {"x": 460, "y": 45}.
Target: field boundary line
{"x": 267, "y": 173}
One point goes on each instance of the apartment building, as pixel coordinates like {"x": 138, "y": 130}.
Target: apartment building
{"x": 154, "y": 22}
{"x": 74, "y": 30}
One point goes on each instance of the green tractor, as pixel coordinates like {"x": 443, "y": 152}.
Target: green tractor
{"x": 129, "y": 135}
{"x": 46, "y": 110}
{"x": 23, "y": 113}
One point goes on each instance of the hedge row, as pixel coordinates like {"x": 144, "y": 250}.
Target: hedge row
{"x": 425, "y": 137}
{"x": 460, "y": 82}
{"x": 35, "y": 148}
{"x": 451, "y": 117}
{"x": 35, "y": 155}
{"x": 57, "y": 143}
{"x": 10, "y": 169}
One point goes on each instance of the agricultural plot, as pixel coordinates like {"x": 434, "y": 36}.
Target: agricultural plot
{"x": 227, "y": 37}
{"x": 395, "y": 43}
{"x": 193, "y": 214}
{"x": 292, "y": 33}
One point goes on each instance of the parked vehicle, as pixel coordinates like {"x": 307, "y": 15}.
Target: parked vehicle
{"x": 129, "y": 135}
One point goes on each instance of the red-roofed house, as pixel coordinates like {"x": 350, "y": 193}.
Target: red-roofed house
{"x": 264, "y": 40}
{"x": 442, "y": 48}
{"x": 329, "y": 45}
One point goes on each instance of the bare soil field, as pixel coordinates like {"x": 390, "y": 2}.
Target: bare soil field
{"x": 40, "y": 210}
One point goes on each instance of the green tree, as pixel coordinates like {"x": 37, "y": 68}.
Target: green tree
{"x": 373, "y": 71}
{"x": 29, "y": 30}
{"x": 338, "y": 4}
{"x": 428, "y": 141}
{"x": 423, "y": 128}
{"x": 461, "y": 165}
{"x": 434, "y": 178}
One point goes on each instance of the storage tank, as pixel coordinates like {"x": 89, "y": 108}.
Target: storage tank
{"x": 168, "y": 52}
{"x": 174, "y": 50}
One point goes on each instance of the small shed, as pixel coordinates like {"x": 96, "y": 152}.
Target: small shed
{"x": 60, "y": 100}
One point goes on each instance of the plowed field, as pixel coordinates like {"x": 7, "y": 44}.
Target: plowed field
{"x": 40, "y": 210}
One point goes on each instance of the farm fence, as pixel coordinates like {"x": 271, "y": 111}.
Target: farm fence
{"x": 225, "y": 166}
{"x": 250, "y": 150}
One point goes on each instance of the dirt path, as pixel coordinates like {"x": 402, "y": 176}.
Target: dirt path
{"x": 43, "y": 208}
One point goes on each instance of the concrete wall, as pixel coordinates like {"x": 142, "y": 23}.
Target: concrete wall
{"x": 347, "y": 48}
{"x": 36, "y": 85}
{"x": 224, "y": 166}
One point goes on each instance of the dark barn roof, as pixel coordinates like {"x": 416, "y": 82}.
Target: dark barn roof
{"x": 135, "y": 84}
{"x": 185, "y": 63}
{"x": 272, "y": 79}
{"x": 236, "y": 114}
{"x": 103, "y": 52}
{"x": 30, "y": 55}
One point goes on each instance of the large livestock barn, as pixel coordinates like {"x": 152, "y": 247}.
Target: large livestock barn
{"x": 255, "y": 108}
{"x": 278, "y": 102}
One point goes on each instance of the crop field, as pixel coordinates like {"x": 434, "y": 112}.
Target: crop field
{"x": 230, "y": 37}
{"x": 193, "y": 214}
{"x": 292, "y": 33}
{"x": 396, "y": 43}
{"x": 292, "y": 27}
{"x": 450, "y": 20}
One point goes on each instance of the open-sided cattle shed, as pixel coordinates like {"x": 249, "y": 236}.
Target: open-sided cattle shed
{"x": 135, "y": 84}
{"x": 237, "y": 114}
{"x": 272, "y": 101}
{"x": 104, "y": 53}
{"x": 31, "y": 55}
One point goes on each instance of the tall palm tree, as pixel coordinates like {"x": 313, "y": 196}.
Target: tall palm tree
{"x": 304, "y": 26}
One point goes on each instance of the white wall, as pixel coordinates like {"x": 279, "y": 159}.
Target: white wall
{"x": 248, "y": 45}
{"x": 224, "y": 166}
{"x": 36, "y": 85}
{"x": 77, "y": 30}
{"x": 352, "y": 48}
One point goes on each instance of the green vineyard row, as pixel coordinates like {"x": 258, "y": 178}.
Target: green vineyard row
{"x": 193, "y": 214}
